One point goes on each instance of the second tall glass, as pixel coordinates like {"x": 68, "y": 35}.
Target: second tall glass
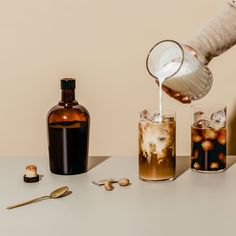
{"x": 208, "y": 138}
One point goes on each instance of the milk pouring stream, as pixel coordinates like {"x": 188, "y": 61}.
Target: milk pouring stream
{"x": 162, "y": 75}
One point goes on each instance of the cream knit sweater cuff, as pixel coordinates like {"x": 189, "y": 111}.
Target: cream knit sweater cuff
{"x": 217, "y": 36}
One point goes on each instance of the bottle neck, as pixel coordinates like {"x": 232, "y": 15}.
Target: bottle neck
{"x": 68, "y": 97}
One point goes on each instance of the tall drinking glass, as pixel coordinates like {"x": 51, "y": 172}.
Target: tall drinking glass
{"x": 208, "y": 134}
{"x": 156, "y": 146}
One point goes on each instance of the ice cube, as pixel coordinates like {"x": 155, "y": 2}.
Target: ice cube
{"x": 221, "y": 139}
{"x": 157, "y": 117}
{"x": 196, "y": 166}
{"x": 218, "y": 119}
{"x": 195, "y": 154}
{"x": 214, "y": 165}
{"x": 202, "y": 123}
{"x": 197, "y": 116}
{"x": 161, "y": 142}
{"x": 207, "y": 145}
{"x": 216, "y": 125}
{"x": 210, "y": 134}
{"x": 145, "y": 116}
{"x": 196, "y": 138}
{"x": 219, "y": 116}
{"x": 221, "y": 157}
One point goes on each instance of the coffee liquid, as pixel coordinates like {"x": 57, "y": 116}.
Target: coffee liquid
{"x": 208, "y": 149}
{"x": 68, "y": 147}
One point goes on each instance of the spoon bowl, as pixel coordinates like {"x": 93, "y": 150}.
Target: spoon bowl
{"x": 59, "y": 192}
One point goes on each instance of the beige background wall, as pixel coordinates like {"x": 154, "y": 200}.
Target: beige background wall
{"x": 104, "y": 44}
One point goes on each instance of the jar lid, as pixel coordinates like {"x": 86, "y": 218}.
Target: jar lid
{"x": 67, "y": 83}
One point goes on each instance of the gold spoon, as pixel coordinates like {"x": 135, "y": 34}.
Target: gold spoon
{"x": 55, "y": 194}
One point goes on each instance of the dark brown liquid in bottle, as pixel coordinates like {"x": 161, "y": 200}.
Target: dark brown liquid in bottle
{"x": 68, "y": 134}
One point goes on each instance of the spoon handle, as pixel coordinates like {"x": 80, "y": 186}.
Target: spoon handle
{"x": 28, "y": 202}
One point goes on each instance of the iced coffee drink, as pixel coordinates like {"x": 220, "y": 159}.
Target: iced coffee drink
{"x": 208, "y": 138}
{"x": 156, "y": 146}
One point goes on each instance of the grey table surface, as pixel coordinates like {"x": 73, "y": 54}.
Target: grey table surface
{"x": 192, "y": 204}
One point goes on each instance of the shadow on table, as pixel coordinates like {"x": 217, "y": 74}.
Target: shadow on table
{"x": 182, "y": 165}
{"x": 96, "y": 160}
{"x": 66, "y": 194}
{"x": 232, "y": 133}
{"x": 231, "y": 143}
{"x": 231, "y": 138}
{"x": 230, "y": 161}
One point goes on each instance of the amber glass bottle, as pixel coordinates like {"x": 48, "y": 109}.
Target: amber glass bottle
{"x": 68, "y": 133}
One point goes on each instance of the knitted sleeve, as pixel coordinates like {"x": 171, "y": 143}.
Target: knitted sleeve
{"x": 217, "y": 36}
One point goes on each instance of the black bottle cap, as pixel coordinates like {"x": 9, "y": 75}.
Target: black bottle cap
{"x": 67, "y": 83}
